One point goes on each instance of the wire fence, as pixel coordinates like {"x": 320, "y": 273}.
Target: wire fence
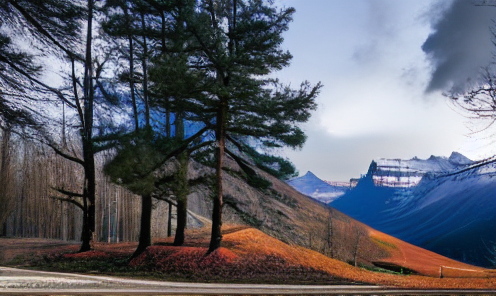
{"x": 455, "y": 272}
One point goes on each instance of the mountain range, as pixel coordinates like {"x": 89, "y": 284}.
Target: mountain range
{"x": 445, "y": 205}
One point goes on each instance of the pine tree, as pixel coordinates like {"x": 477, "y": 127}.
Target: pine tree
{"x": 235, "y": 45}
{"x": 171, "y": 92}
{"x": 48, "y": 24}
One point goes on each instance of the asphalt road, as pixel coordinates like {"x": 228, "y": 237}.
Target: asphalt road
{"x": 27, "y": 282}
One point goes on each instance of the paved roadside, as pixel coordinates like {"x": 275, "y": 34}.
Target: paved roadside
{"x": 18, "y": 281}
{"x": 29, "y": 282}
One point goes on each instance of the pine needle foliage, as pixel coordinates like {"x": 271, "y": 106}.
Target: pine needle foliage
{"x": 233, "y": 47}
{"x": 48, "y": 25}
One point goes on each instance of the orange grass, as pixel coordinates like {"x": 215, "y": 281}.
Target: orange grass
{"x": 255, "y": 253}
{"x": 425, "y": 262}
{"x": 249, "y": 255}
{"x": 252, "y": 242}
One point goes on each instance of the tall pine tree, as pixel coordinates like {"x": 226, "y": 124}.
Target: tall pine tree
{"x": 235, "y": 47}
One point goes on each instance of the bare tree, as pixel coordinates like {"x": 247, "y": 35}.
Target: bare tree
{"x": 6, "y": 177}
{"x": 478, "y": 101}
{"x": 329, "y": 235}
{"x": 357, "y": 233}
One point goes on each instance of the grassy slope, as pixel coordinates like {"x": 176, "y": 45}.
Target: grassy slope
{"x": 282, "y": 212}
{"x": 249, "y": 255}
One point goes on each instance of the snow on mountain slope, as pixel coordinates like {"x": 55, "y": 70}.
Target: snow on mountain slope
{"x": 407, "y": 173}
{"x": 311, "y": 185}
{"x": 453, "y": 215}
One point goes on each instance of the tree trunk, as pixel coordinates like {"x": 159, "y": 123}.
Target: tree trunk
{"x": 181, "y": 185}
{"x": 145, "y": 238}
{"x": 88, "y": 154}
{"x": 330, "y": 233}
{"x": 182, "y": 199}
{"x": 169, "y": 221}
{"x": 220, "y": 137}
{"x": 86, "y": 232}
{"x": 356, "y": 246}
{"x": 6, "y": 196}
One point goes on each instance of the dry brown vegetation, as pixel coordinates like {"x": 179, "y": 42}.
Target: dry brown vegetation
{"x": 248, "y": 255}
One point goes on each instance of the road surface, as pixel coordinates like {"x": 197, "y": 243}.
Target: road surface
{"x": 29, "y": 282}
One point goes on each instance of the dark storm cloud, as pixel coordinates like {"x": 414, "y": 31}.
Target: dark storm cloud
{"x": 460, "y": 45}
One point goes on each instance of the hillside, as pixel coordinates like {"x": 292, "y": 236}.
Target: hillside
{"x": 452, "y": 215}
{"x": 250, "y": 256}
{"x": 283, "y": 213}
{"x": 248, "y": 251}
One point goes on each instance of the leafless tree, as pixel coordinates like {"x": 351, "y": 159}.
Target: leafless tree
{"x": 357, "y": 233}
{"x": 478, "y": 101}
{"x": 329, "y": 235}
{"x": 7, "y": 183}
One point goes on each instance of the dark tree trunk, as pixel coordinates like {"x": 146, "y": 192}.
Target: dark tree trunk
{"x": 86, "y": 232}
{"x": 88, "y": 154}
{"x": 145, "y": 238}
{"x": 182, "y": 199}
{"x": 220, "y": 138}
{"x": 182, "y": 204}
{"x": 167, "y": 103}
{"x": 181, "y": 185}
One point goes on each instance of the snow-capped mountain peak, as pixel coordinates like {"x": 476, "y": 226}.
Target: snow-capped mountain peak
{"x": 459, "y": 159}
{"x": 311, "y": 185}
{"x": 450, "y": 211}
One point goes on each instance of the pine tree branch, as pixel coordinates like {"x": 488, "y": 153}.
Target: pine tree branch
{"x": 204, "y": 144}
{"x": 44, "y": 32}
{"x": 68, "y": 193}
{"x": 64, "y": 155}
{"x": 74, "y": 202}
{"x": 103, "y": 91}
{"x": 176, "y": 152}
{"x": 76, "y": 96}
{"x": 236, "y": 143}
{"x": 166, "y": 200}
{"x": 243, "y": 164}
{"x": 31, "y": 78}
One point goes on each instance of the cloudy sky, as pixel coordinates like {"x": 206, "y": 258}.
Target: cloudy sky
{"x": 384, "y": 65}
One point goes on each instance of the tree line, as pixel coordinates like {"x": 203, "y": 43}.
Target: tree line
{"x": 154, "y": 84}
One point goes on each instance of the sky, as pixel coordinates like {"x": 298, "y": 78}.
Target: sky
{"x": 384, "y": 65}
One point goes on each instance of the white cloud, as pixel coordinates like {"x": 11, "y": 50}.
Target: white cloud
{"x": 368, "y": 56}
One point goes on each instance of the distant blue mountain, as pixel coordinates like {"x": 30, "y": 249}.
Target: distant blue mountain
{"x": 311, "y": 185}
{"x": 450, "y": 214}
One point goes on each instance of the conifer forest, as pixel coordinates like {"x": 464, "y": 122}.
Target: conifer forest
{"x": 114, "y": 112}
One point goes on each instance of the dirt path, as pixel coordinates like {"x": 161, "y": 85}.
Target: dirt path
{"x": 12, "y": 247}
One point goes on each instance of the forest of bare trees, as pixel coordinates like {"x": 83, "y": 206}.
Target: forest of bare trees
{"x": 133, "y": 86}
{"x": 30, "y": 171}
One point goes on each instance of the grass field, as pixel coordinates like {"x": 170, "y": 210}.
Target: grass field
{"x": 247, "y": 256}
